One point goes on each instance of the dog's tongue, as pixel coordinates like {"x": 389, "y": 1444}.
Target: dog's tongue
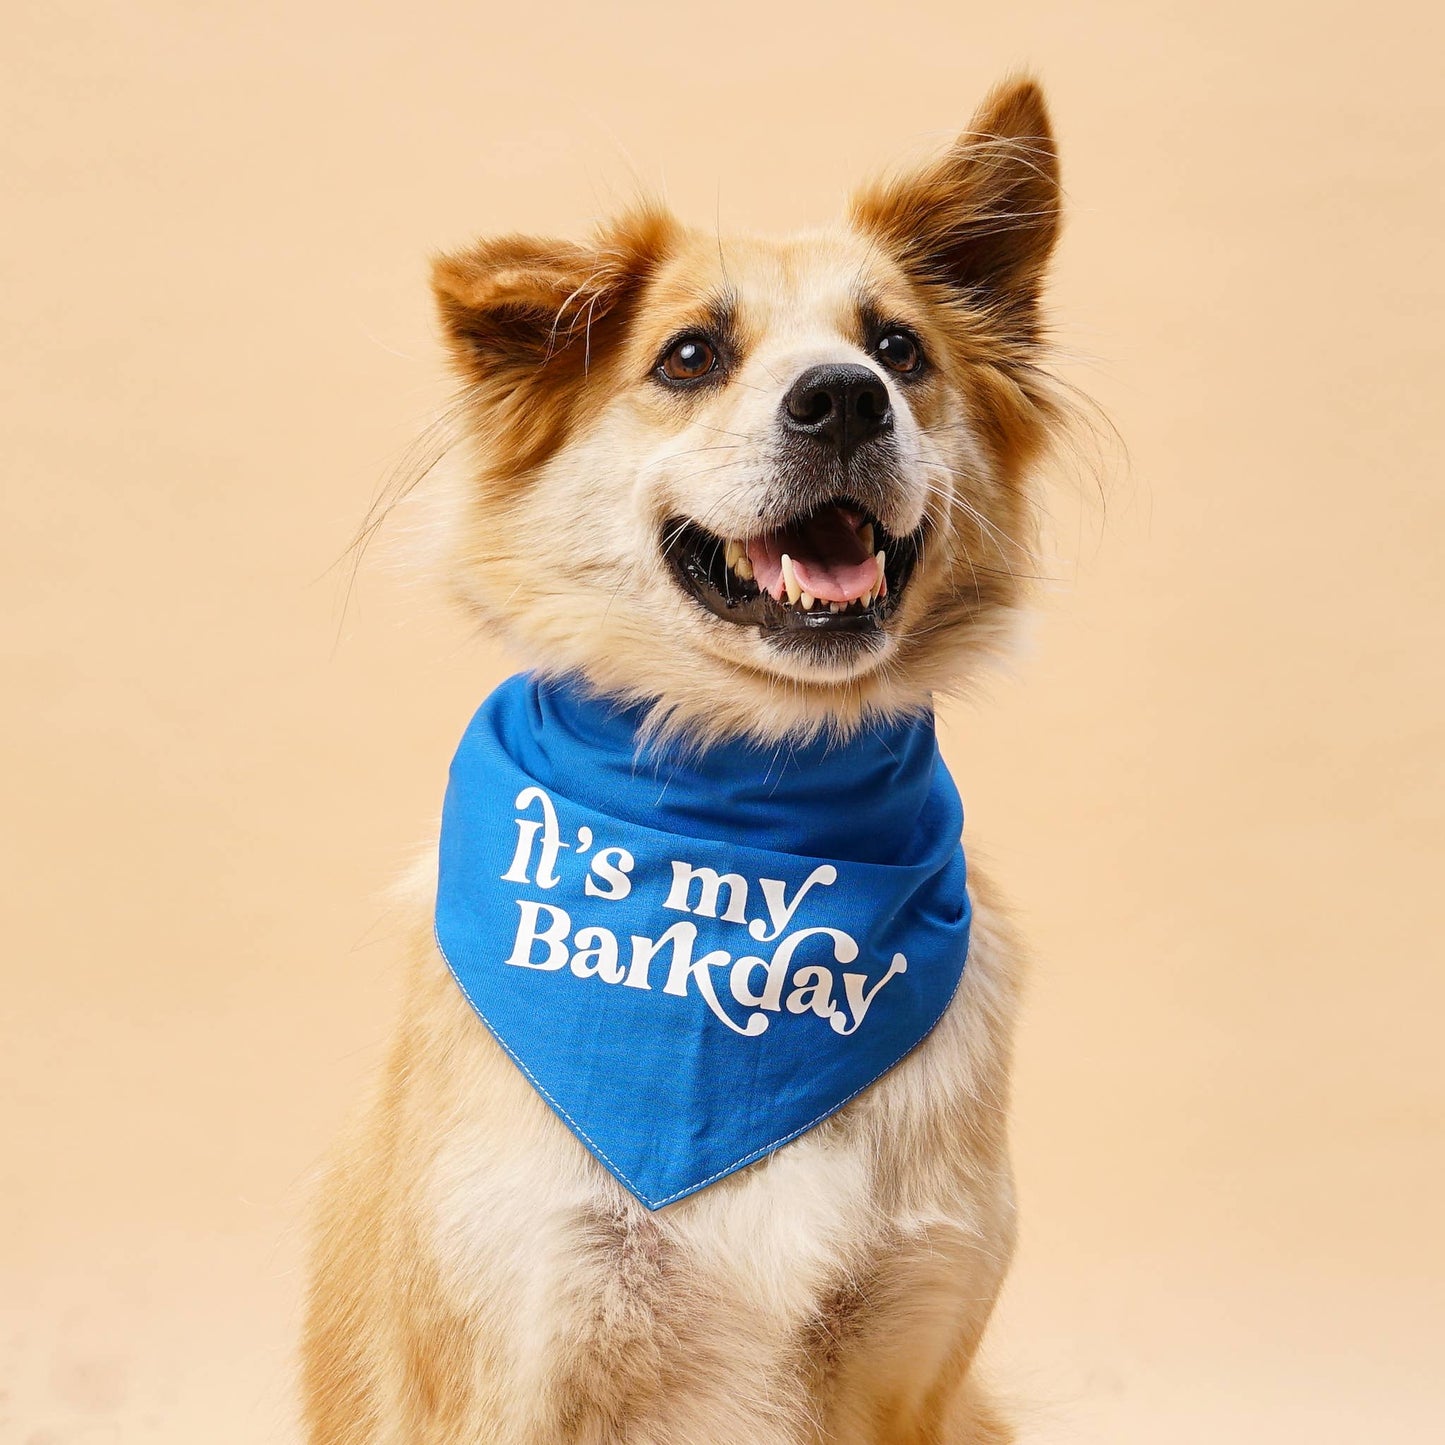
{"x": 831, "y": 561}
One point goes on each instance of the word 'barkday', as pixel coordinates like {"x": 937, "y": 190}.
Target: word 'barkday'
{"x": 756, "y": 985}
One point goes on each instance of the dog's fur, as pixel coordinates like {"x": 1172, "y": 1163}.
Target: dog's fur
{"x": 478, "y": 1276}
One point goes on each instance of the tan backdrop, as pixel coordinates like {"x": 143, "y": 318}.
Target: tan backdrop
{"x": 1213, "y": 785}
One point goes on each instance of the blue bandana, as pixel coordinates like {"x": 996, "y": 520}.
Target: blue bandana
{"x": 695, "y": 957}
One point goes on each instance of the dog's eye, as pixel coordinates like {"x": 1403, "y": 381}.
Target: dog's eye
{"x": 688, "y": 359}
{"x": 899, "y": 351}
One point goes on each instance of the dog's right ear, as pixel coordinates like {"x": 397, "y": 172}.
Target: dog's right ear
{"x": 514, "y": 301}
{"x": 529, "y": 323}
{"x": 518, "y": 303}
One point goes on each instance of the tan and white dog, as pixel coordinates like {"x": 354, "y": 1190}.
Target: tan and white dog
{"x": 766, "y": 488}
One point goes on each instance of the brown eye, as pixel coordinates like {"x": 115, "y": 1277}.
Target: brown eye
{"x": 688, "y": 359}
{"x": 899, "y": 351}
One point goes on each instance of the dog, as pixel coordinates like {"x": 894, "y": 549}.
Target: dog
{"x": 665, "y": 440}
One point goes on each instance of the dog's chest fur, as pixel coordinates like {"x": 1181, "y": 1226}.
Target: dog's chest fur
{"x": 511, "y": 1280}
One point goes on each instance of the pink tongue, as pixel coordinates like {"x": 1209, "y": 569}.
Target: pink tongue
{"x": 836, "y": 581}
{"x": 828, "y": 557}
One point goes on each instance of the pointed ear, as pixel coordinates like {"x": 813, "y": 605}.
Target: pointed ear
{"x": 518, "y": 302}
{"x": 983, "y": 218}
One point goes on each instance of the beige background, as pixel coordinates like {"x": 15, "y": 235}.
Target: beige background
{"x": 1213, "y": 787}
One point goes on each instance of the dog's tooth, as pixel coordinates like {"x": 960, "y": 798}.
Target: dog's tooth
{"x": 744, "y": 568}
{"x": 790, "y": 579}
{"x": 733, "y": 551}
{"x": 866, "y": 535}
{"x": 807, "y": 599}
{"x": 836, "y": 606}
{"x": 882, "y": 573}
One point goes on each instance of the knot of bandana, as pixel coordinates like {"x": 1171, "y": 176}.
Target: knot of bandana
{"x": 696, "y": 955}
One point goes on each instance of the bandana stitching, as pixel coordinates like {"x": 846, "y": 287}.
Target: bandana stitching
{"x": 727, "y": 1168}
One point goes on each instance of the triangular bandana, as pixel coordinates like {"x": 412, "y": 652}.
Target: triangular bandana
{"x": 696, "y": 956}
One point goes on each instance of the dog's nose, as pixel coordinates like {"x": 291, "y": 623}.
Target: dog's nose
{"x": 843, "y": 406}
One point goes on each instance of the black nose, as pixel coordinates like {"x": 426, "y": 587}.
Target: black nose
{"x": 843, "y": 406}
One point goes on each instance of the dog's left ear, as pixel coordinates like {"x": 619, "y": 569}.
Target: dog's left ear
{"x": 981, "y": 220}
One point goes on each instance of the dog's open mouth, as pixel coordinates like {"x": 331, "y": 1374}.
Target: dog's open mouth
{"x": 837, "y": 570}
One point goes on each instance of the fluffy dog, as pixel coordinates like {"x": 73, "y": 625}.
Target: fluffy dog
{"x": 772, "y": 488}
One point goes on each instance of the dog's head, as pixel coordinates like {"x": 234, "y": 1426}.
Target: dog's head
{"x": 771, "y": 485}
